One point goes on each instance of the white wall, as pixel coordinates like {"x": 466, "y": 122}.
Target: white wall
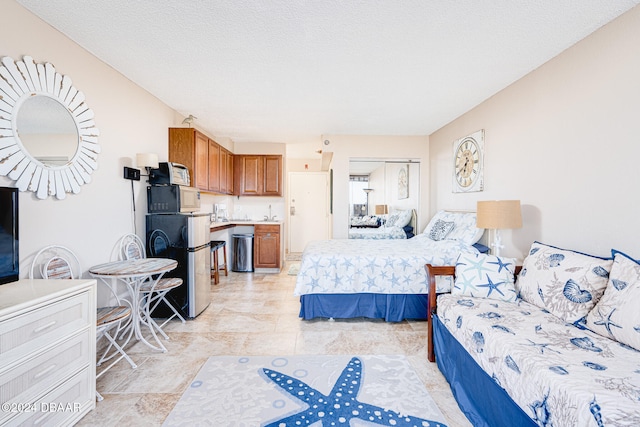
{"x": 413, "y": 182}
{"x": 345, "y": 147}
{"x": 130, "y": 121}
{"x": 303, "y": 165}
{"x": 565, "y": 141}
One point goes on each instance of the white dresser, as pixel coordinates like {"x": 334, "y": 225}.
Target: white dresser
{"x": 47, "y": 351}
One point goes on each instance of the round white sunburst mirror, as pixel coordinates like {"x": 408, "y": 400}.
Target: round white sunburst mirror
{"x": 48, "y": 139}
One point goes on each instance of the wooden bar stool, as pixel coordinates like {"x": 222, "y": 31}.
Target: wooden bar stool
{"x": 215, "y": 267}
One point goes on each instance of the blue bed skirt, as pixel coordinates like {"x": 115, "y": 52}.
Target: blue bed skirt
{"x": 481, "y": 399}
{"x": 390, "y": 307}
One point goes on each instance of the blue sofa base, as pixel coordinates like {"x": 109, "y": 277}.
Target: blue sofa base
{"x": 482, "y": 400}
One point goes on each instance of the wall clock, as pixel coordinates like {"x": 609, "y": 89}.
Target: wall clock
{"x": 468, "y": 163}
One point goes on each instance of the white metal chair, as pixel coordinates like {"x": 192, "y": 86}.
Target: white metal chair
{"x": 59, "y": 262}
{"x": 154, "y": 291}
{"x": 55, "y": 262}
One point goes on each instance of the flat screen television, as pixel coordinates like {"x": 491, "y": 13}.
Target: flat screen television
{"x": 9, "y": 262}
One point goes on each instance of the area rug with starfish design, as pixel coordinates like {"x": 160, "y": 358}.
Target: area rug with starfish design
{"x": 278, "y": 391}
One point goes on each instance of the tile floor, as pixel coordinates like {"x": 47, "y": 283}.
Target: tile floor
{"x": 252, "y": 314}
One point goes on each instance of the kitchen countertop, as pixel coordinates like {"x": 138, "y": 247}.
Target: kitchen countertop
{"x": 236, "y": 222}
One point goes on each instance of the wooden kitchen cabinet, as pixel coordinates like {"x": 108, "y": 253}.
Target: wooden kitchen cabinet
{"x": 215, "y": 171}
{"x": 272, "y": 176}
{"x": 230, "y": 164}
{"x": 201, "y": 168}
{"x": 208, "y": 162}
{"x": 257, "y": 175}
{"x": 190, "y": 147}
{"x": 247, "y": 172}
{"x": 266, "y": 246}
{"x": 226, "y": 171}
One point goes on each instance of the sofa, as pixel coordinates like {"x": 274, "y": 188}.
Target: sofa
{"x": 555, "y": 342}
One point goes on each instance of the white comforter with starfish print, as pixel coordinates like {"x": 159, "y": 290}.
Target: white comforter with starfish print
{"x": 559, "y": 374}
{"x": 374, "y": 266}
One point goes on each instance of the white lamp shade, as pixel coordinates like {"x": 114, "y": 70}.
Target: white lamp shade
{"x": 499, "y": 214}
{"x": 147, "y": 160}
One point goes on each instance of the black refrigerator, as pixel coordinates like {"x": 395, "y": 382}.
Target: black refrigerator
{"x": 185, "y": 238}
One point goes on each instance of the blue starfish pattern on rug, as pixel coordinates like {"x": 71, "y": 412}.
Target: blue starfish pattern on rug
{"x": 340, "y": 406}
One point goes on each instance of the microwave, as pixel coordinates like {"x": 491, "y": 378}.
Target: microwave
{"x": 169, "y": 173}
{"x": 172, "y": 199}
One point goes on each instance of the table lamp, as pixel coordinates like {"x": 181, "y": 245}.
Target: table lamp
{"x": 498, "y": 215}
{"x": 382, "y": 210}
{"x": 147, "y": 161}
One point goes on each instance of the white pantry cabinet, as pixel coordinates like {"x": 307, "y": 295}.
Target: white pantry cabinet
{"x": 47, "y": 351}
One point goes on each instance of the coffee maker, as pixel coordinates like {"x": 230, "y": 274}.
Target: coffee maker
{"x": 220, "y": 212}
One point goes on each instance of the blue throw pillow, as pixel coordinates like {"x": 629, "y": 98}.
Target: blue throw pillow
{"x": 486, "y": 276}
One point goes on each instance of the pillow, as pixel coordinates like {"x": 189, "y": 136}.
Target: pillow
{"x": 404, "y": 218}
{"x": 392, "y": 219}
{"x": 399, "y": 218}
{"x": 616, "y": 315}
{"x": 486, "y": 276}
{"x": 439, "y": 216}
{"x": 566, "y": 283}
{"x": 464, "y": 229}
{"x": 481, "y": 248}
{"x": 408, "y": 230}
{"x": 440, "y": 230}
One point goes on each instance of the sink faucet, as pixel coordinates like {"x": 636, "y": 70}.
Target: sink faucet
{"x": 269, "y": 217}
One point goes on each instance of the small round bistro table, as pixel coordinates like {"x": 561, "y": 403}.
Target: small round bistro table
{"x": 135, "y": 272}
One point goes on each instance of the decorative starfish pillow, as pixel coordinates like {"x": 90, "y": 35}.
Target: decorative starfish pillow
{"x": 486, "y": 276}
{"x": 566, "y": 283}
{"x": 616, "y": 315}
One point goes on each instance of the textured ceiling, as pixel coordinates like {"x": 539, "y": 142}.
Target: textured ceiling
{"x": 290, "y": 71}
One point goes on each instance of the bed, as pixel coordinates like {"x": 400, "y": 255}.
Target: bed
{"x": 397, "y": 225}
{"x": 381, "y": 279}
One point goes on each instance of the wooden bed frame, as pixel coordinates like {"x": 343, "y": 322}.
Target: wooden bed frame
{"x": 432, "y": 272}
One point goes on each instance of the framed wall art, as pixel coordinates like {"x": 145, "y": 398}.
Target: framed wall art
{"x": 403, "y": 182}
